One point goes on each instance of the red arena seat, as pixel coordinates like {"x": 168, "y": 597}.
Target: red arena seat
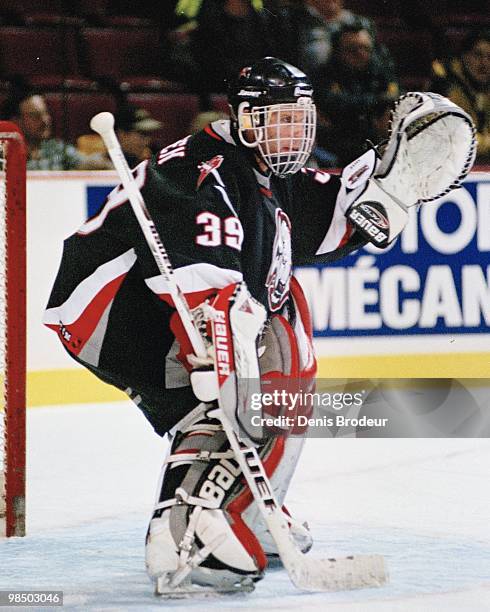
{"x": 38, "y": 51}
{"x": 72, "y": 112}
{"x": 126, "y": 21}
{"x": 117, "y": 53}
{"x": 53, "y": 19}
{"x": 21, "y": 8}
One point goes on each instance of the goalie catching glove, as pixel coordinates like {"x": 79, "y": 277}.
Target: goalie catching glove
{"x": 430, "y": 151}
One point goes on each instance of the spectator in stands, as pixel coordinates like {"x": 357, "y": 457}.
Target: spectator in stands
{"x": 307, "y": 27}
{"x": 135, "y": 129}
{"x": 336, "y": 17}
{"x": 30, "y": 112}
{"x": 466, "y": 81}
{"x": 219, "y": 37}
{"x": 347, "y": 90}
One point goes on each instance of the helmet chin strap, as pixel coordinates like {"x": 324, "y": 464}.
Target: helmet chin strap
{"x": 262, "y": 166}
{"x": 245, "y": 125}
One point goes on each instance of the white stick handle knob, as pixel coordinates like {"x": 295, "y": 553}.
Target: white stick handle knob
{"x": 103, "y": 124}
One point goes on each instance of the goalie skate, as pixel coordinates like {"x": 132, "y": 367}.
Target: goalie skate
{"x": 187, "y": 589}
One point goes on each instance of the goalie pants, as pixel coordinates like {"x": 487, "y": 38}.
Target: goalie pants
{"x": 168, "y": 408}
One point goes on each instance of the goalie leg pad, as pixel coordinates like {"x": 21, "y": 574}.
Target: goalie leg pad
{"x": 194, "y": 533}
{"x": 204, "y": 521}
{"x": 287, "y": 363}
{"x": 280, "y": 480}
{"x": 236, "y": 326}
{"x": 287, "y": 360}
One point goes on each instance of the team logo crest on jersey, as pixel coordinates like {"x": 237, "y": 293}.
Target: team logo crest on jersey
{"x": 279, "y": 275}
{"x": 207, "y": 167}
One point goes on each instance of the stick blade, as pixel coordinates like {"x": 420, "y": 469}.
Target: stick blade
{"x": 346, "y": 573}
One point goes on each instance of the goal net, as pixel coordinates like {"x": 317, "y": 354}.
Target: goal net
{"x": 12, "y": 329}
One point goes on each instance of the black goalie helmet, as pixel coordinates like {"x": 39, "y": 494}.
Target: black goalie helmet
{"x": 272, "y": 110}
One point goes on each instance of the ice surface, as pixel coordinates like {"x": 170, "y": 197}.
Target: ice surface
{"x": 92, "y": 472}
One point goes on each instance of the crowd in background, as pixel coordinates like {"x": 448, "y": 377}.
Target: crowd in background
{"x": 202, "y": 43}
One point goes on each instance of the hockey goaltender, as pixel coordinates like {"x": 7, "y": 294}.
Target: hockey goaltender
{"x": 235, "y": 208}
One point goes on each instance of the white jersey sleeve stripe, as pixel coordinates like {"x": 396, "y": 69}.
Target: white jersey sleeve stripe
{"x": 339, "y": 227}
{"x": 336, "y": 232}
{"x": 354, "y": 179}
{"x": 83, "y": 295}
{"x": 196, "y": 277}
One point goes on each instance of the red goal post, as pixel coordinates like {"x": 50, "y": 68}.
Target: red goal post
{"x": 12, "y": 329}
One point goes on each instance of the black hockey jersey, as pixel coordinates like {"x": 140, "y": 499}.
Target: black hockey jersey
{"x": 221, "y": 221}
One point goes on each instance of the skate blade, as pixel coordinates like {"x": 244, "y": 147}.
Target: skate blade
{"x": 188, "y": 590}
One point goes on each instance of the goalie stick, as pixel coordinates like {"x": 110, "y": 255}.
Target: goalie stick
{"x": 306, "y": 573}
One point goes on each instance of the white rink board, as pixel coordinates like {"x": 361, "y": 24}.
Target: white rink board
{"x": 56, "y": 204}
{"x": 56, "y": 207}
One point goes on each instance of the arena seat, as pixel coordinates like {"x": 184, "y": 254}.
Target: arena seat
{"x": 38, "y": 51}
{"x": 92, "y": 10}
{"x": 150, "y": 84}
{"x": 20, "y": 8}
{"x": 121, "y": 52}
{"x": 125, "y": 21}
{"x": 372, "y": 8}
{"x": 72, "y": 112}
{"x": 175, "y": 111}
{"x": 53, "y": 19}
{"x": 70, "y": 83}
{"x": 56, "y": 82}
{"x": 462, "y": 20}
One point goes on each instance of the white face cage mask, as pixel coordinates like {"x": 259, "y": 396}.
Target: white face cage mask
{"x": 283, "y": 133}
